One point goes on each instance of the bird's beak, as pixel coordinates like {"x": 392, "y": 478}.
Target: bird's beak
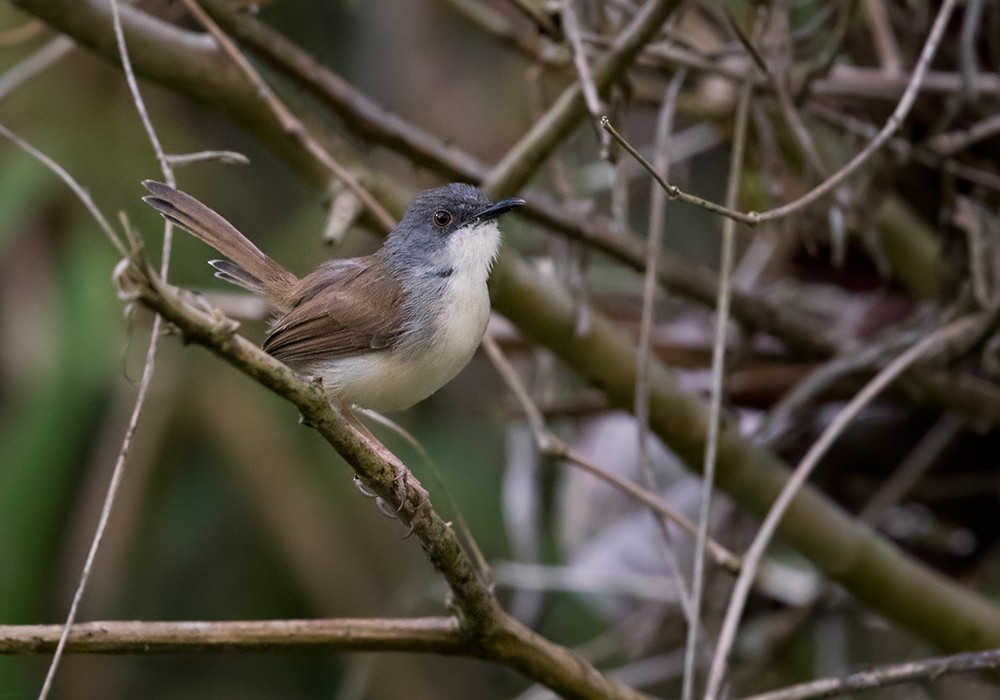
{"x": 498, "y": 208}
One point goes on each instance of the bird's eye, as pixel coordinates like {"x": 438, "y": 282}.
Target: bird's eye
{"x": 442, "y": 218}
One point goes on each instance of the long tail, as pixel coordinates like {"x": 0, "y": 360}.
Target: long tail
{"x": 247, "y": 266}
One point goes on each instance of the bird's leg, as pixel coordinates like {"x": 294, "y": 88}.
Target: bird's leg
{"x": 401, "y": 478}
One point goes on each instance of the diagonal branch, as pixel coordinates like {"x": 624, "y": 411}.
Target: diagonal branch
{"x": 487, "y": 631}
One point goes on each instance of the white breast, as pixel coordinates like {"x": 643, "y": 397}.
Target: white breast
{"x": 394, "y": 380}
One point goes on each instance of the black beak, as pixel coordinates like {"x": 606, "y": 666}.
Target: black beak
{"x": 498, "y": 208}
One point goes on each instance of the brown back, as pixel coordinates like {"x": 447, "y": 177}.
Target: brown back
{"x": 346, "y": 307}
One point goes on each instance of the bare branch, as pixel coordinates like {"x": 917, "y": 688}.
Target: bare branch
{"x": 865, "y": 563}
{"x": 441, "y": 635}
{"x": 726, "y": 262}
{"x": 571, "y": 26}
{"x": 888, "y": 675}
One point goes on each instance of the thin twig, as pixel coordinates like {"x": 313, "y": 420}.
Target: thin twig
{"x": 571, "y": 27}
{"x": 228, "y": 157}
{"x": 983, "y": 249}
{"x": 552, "y": 446}
{"x": 727, "y": 256}
{"x": 891, "y": 126}
{"x": 109, "y": 500}
{"x": 872, "y": 84}
{"x": 570, "y": 257}
{"x": 883, "y": 37}
{"x": 654, "y": 239}
{"x": 904, "y": 150}
{"x": 148, "y": 370}
{"x": 884, "y": 676}
{"x": 746, "y": 42}
{"x": 75, "y": 186}
{"x": 21, "y": 33}
{"x": 477, "y": 553}
{"x": 949, "y": 143}
{"x": 755, "y": 553}
{"x": 922, "y": 456}
{"x": 780, "y": 80}
{"x": 795, "y": 401}
{"x": 654, "y": 243}
{"x": 289, "y": 122}
{"x": 653, "y": 246}
{"x": 34, "y": 64}
{"x": 585, "y": 579}
{"x": 968, "y": 50}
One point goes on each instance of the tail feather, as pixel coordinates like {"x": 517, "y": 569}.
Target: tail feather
{"x": 249, "y": 267}
{"x": 234, "y": 274}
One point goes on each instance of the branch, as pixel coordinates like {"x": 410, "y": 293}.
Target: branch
{"x": 440, "y": 635}
{"x": 890, "y": 674}
{"x": 856, "y": 82}
{"x": 487, "y": 631}
{"x": 522, "y": 161}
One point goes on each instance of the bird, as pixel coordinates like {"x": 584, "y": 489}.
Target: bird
{"x": 383, "y": 331}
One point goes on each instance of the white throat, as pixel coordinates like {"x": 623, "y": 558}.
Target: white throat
{"x": 472, "y": 250}
{"x": 446, "y": 339}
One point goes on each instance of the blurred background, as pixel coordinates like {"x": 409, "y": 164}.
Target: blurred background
{"x": 231, "y": 509}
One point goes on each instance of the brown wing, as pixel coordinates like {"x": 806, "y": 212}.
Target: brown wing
{"x": 343, "y": 308}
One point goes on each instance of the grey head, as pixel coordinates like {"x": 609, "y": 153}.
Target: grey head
{"x": 437, "y": 217}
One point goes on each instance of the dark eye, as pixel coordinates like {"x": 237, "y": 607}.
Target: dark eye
{"x": 441, "y": 218}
